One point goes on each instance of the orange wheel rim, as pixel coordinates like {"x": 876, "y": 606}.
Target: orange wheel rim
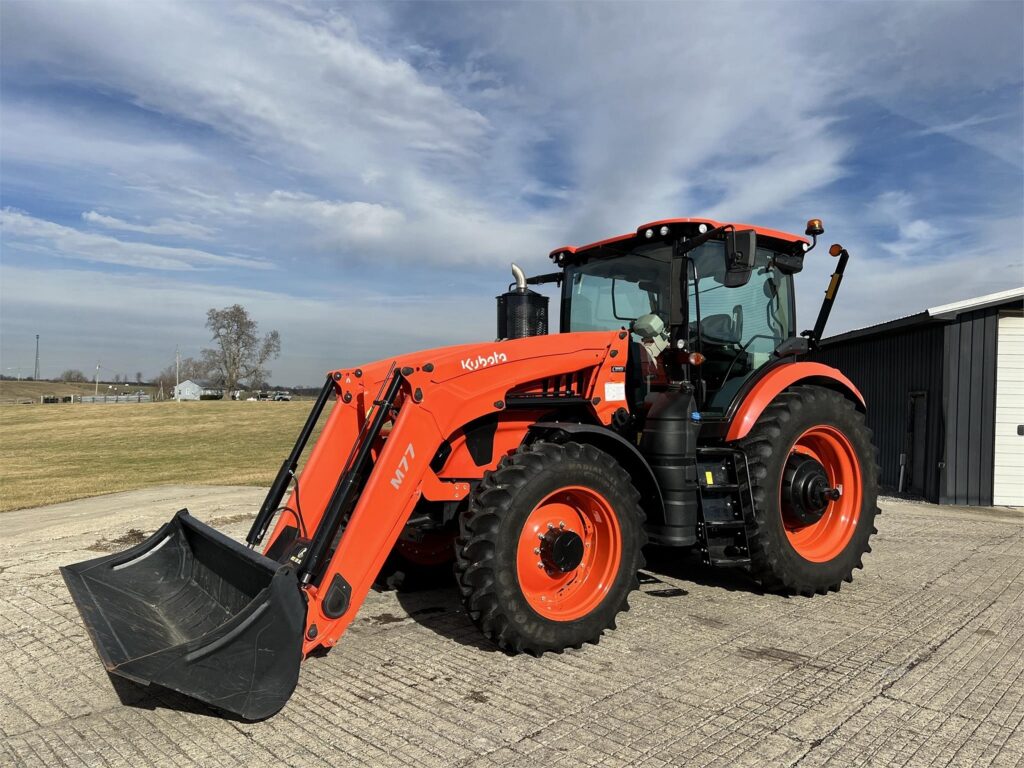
{"x": 824, "y": 540}
{"x": 548, "y": 534}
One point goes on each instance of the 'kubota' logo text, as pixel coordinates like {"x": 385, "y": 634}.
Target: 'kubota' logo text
{"x": 471, "y": 364}
{"x": 403, "y": 467}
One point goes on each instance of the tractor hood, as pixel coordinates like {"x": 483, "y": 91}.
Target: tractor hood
{"x": 444, "y": 364}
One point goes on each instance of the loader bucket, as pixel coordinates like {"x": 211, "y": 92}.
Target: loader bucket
{"x": 195, "y": 611}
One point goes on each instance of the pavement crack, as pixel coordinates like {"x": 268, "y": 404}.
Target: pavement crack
{"x": 242, "y": 731}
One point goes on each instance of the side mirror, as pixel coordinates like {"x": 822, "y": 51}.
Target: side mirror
{"x": 740, "y": 248}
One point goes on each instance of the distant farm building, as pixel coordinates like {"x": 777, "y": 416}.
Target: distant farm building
{"x": 198, "y": 390}
{"x": 945, "y": 393}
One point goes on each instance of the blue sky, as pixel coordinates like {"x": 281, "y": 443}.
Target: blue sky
{"x": 359, "y": 176}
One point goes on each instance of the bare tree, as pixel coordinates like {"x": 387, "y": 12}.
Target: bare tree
{"x": 240, "y": 355}
{"x": 138, "y": 377}
{"x": 189, "y": 368}
{"x": 73, "y": 374}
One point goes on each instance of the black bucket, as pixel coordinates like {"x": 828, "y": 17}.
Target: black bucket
{"x": 195, "y": 611}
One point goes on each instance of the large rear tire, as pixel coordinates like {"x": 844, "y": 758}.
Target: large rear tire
{"x": 550, "y": 547}
{"x": 790, "y": 550}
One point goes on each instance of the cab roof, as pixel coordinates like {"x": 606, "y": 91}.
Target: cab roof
{"x": 681, "y": 224}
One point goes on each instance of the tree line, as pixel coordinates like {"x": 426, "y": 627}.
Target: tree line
{"x": 75, "y": 375}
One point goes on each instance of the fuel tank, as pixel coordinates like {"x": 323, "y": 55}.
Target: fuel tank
{"x": 669, "y": 443}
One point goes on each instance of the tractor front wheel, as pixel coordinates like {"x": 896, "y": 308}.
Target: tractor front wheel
{"x": 550, "y": 547}
{"x": 815, "y": 485}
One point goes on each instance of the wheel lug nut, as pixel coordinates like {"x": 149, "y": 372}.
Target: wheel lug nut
{"x": 540, "y": 564}
{"x": 561, "y": 524}
{"x": 536, "y": 550}
{"x": 550, "y": 526}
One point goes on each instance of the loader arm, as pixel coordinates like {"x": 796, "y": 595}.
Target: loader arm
{"x": 435, "y": 393}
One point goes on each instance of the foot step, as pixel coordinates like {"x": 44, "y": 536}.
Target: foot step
{"x": 726, "y": 504}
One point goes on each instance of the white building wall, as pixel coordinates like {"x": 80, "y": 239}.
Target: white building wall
{"x": 187, "y": 390}
{"x": 1008, "y": 473}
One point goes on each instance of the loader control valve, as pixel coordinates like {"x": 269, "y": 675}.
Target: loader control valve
{"x": 561, "y": 550}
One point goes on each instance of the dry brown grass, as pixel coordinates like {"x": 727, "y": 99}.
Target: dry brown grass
{"x": 57, "y": 453}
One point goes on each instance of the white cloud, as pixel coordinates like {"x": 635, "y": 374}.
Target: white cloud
{"x": 897, "y": 211}
{"x": 339, "y": 222}
{"x": 739, "y": 121}
{"x": 30, "y": 233}
{"x": 159, "y": 227}
{"x": 305, "y": 87}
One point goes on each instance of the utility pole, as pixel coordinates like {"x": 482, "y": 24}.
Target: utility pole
{"x": 177, "y": 373}
{"x": 96, "y": 393}
{"x": 36, "y": 377}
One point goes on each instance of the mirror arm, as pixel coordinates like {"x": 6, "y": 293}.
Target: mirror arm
{"x": 550, "y": 277}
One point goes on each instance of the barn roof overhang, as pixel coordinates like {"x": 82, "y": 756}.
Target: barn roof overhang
{"x": 1012, "y": 298}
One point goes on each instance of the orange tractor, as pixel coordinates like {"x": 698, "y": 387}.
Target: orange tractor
{"x": 675, "y": 407}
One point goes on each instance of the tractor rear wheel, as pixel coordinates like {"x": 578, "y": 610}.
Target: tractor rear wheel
{"x": 815, "y": 484}
{"x": 550, "y": 547}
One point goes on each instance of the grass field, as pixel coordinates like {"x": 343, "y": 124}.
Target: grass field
{"x": 57, "y": 453}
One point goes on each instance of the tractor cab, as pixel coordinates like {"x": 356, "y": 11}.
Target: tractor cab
{"x": 704, "y": 302}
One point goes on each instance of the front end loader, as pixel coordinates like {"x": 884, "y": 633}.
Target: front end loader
{"x": 676, "y": 407}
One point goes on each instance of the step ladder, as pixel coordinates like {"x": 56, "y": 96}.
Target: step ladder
{"x": 726, "y": 504}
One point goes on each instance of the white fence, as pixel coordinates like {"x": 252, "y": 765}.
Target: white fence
{"x": 104, "y": 399}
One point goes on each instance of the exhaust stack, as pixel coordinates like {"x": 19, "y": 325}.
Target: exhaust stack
{"x": 521, "y": 312}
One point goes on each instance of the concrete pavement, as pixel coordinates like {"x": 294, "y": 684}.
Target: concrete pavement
{"x": 919, "y": 662}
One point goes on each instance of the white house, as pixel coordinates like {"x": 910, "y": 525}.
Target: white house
{"x": 198, "y": 390}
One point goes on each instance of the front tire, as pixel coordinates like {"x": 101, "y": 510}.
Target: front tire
{"x": 550, "y": 548}
{"x": 790, "y": 550}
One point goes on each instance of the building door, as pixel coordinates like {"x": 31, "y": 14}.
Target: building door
{"x": 918, "y": 442}
{"x": 1008, "y": 474}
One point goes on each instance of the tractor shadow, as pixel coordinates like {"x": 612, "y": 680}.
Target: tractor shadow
{"x": 683, "y": 565}
{"x": 440, "y": 610}
{"x": 437, "y": 606}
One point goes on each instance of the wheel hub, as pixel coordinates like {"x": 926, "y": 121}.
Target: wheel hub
{"x": 806, "y": 491}
{"x": 561, "y": 550}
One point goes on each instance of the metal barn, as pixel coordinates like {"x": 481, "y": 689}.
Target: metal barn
{"x": 945, "y": 393}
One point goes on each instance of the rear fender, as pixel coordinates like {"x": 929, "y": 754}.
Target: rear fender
{"x": 779, "y": 378}
{"x": 616, "y": 446}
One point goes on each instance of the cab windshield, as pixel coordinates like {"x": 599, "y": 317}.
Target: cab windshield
{"x": 739, "y": 328}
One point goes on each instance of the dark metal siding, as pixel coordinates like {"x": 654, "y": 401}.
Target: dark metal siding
{"x": 887, "y": 368}
{"x": 969, "y": 406}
